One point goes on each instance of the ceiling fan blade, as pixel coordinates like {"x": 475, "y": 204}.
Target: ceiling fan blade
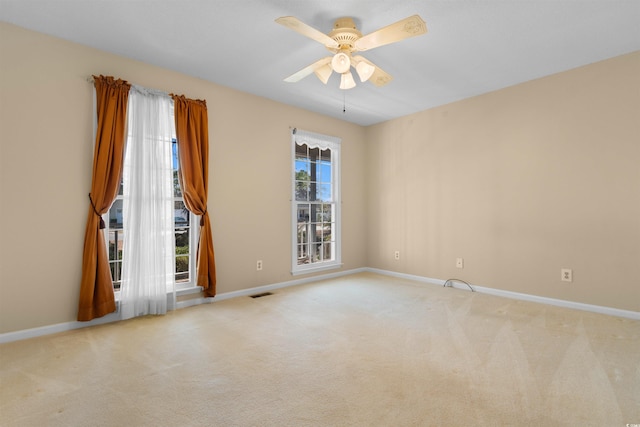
{"x": 297, "y": 25}
{"x": 296, "y": 77}
{"x": 403, "y": 29}
{"x": 379, "y": 76}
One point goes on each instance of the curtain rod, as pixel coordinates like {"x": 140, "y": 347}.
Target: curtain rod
{"x": 90, "y": 79}
{"x": 137, "y": 87}
{"x": 145, "y": 89}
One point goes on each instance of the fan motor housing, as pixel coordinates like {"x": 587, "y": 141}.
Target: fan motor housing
{"x": 345, "y": 33}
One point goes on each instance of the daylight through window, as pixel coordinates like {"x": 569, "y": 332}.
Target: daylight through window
{"x": 315, "y": 207}
{"x": 185, "y": 231}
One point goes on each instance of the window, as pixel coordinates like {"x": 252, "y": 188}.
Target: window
{"x": 315, "y": 202}
{"x": 185, "y": 230}
{"x": 115, "y": 238}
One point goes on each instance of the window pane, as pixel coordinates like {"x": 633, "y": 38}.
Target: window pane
{"x": 303, "y": 177}
{"x": 303, "y": 233}
{"x": 325, "y": 155}
{"x": 314, "y": 212}
{"x": 302, "y": 190}
{"x": 177, "y": 191}
{"x": 316, "y": 232}
{"x": 116, "y": 239}
{"x": 115, "y": 214}
{"x": 182, "y": 241}
{"x": 181, "y": 214}
{"x": 327, "y": 213}
{"x": 316, "y": 252}
{"x": 314, "y": 153}
{"x": 327, "y": 232}
{"x": 182, "y": 268}
{"x": 324, "y": 172}
{"x": 116, "y": 273}
{"x": 182, "y": 254}
{"x": 303, "y": 212}
{"x": 327, "y": 251}
{"x": 317, "y": 213}
{"x": 302, "y": 255}
{"x": 303, "y": 166}
{"x": 323, "y": 192}
{"x": 313, "y": 186}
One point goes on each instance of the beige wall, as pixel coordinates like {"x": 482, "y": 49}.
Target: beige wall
{"x": 520, "y": 182}
{"x": 46, "y": 158}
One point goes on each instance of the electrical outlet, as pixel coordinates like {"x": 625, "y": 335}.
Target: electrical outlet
{"x": 566, "y": 275}
{"x": 259, "y": 265}
{"x": 459, "y": 262}
{"x": 396, "y": 255}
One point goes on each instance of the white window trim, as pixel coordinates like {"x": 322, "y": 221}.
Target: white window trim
{"x": 191, "y": 287}
{"x": 316, "y": 140}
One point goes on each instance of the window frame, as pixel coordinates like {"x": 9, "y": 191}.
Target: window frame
{"x": 194, "y": 240}
{"x": 181, "y": 288}
{"x": 323, "y": 142}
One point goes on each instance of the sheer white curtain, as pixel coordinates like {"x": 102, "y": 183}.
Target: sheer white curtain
{"x": 148, "y": 213}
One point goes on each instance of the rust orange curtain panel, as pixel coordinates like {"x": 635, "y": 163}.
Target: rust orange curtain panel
{"x": 192, "y": 133}
{"x": 96, "y": 288}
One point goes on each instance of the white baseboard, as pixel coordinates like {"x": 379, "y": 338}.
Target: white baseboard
{"x": 516, "y": 295}
{"x": 114, "y": 317}
{"x": 59, "y": 327}
{"x": 267, "y": 288}
{"x": 406, "y": 276}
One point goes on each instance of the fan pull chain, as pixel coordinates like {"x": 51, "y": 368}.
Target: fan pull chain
{"x": 344, "y": 103}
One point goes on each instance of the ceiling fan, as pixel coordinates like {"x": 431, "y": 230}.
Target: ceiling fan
{"x": 345, "y": 40}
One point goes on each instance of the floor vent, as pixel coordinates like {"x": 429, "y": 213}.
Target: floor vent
{"x": 264, "y": 294}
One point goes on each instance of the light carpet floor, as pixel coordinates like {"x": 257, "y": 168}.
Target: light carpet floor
{"x": 361, "y": 350}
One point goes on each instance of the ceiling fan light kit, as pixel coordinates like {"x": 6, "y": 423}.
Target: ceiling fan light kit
{"x": 343, "y": 41}
{"x": 340, "y": 62}
{"x": 323, "y": 73}
{"x": 365, "y": 71}
{"x": 347, "y": 81}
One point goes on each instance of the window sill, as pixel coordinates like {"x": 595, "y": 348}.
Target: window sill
{"x": 315, "y": 269}
{"x": 180, "y": 291}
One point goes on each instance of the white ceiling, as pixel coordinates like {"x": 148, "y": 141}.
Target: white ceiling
{"x": 472, "y": 47}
